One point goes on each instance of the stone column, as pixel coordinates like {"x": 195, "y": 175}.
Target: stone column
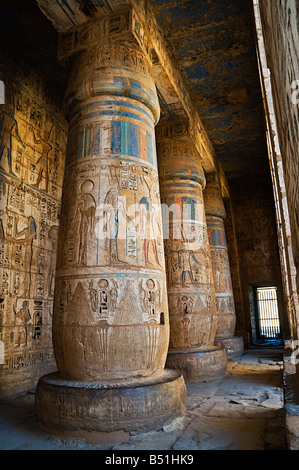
{"x": 110, "y": 323}
{"x": 191, "y": 296}
{"x": 215, "y": 213}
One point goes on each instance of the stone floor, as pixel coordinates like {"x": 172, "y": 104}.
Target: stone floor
{"x": 242, "y": 411}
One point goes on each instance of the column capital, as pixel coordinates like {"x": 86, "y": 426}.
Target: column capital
{"x": 214, "y": 205}
{"x": 109, "y": 67}
{"x": 179, "y": 160}
{"x": 120, "y": 27}
{"x": 174, "y": 130}
{"x": 133, "y": 22}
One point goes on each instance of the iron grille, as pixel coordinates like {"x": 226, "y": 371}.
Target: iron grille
{"x": 269, "y": 324}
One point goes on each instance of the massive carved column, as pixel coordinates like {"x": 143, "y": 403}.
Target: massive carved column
{"x": 191, "y": 296}
{"x": 215, "y": 213}
{"x": 110, "y": 325}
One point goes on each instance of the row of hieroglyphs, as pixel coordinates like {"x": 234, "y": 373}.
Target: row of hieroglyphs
{"x": 32, "y": 152}
{"x": 108, "y": 299}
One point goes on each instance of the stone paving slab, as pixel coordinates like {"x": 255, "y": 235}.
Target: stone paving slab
{"x": 242, "y": 411}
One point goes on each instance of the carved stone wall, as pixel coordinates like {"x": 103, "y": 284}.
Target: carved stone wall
{"x": 280, "y": 22}
{"x": 110, "y": 320}
{"x": 32, "y": 152}
{"x": 254, "y": 213}
{"x": 278, "y": 54}
{"x": 111, "y": 189}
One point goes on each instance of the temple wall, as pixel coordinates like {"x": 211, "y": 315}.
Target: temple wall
{"x": 257, "y": 248}
{"x": 280, "y": 21}
{"x": 278, "y": 31}
{"x": 32, "y": 152}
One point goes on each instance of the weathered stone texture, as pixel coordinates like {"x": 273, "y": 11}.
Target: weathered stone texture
{"x": 191, "y": 291}
{"x": 215, "y": 216}
{"x": 32, "y": 152}
{"x": 79, "y": 406}
{"x": 110, "y": 320}
{"x": 252, "y": 202}
{"x": 112, "y": 271}
{"x": 280, "y": 22}
{"x": 234, "y": 261}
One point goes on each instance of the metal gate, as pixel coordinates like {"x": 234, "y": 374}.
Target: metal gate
{"x": 268, "y": 315}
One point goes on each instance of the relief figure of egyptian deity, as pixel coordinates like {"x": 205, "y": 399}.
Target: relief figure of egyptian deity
{"x": 43, "y": 161}
{"x": 111, "y": 218}
{"x": 191, "y": 294}
{"x": 78, "y": 225}
{"x": 27, "y": 245}
{"x": 22, "y": 318}
{"x": 115, "y": 209}
{"x": 8, "y": 129}
{"x": 26, "y": 236}
{"x": 111, "y": 336}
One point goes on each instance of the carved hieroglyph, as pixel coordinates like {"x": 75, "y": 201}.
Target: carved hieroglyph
{"x": 191, "y": 294}
{"x": 32, "y": 151}
{"x": 192, "y": 305}
{"x": 110, "y": 294}
{"x": 215, "y": 214}
{"x": 110, "y": 320}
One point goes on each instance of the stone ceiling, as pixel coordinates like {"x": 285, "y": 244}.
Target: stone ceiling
{"x": 213, "y": 44}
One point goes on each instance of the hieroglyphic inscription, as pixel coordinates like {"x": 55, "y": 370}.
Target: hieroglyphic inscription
{"x": 32, "y": 152}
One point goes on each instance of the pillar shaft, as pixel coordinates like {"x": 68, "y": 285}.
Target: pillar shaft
{"x": 215, "y": 216}
{"x": 191, "y": 296}
{"x": 110, "y": 283}
{"x": 110, "y": 320}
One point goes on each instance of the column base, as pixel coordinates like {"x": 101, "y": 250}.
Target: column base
{"x": 199, "y": 364}
{"x": 234, "y": 347}
{"x": 106, "y": 412}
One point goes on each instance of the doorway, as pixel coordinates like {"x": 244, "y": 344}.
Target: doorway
{"x": 268, "y": 326}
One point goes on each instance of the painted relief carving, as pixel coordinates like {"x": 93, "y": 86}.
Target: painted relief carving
{"x": 173, "y": 130}
{"x": 116, "y": 209}
{"x": 43, "y": 161}
{"x": 147, "y": 228}
{"x": 187, "y": 268}
{"x": 222, "y": 276}
{"x": 185, "y": 304}
{"x": 65, "y": 15}
{"x": 150, "y": 295}
{"x": 192, "y": 305}
{"x": 216, "y": 214}
{"x": 84, "y": 219}
{"x": 103, "y": 298}
{"x": 93, "y": 296}
{"x": 22, "y": 318}
{"x": 111, "y": 244}
{"x": 8, "y": 127}
{"x": 92, "y": 33}
{"x": 32, "y": 147}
